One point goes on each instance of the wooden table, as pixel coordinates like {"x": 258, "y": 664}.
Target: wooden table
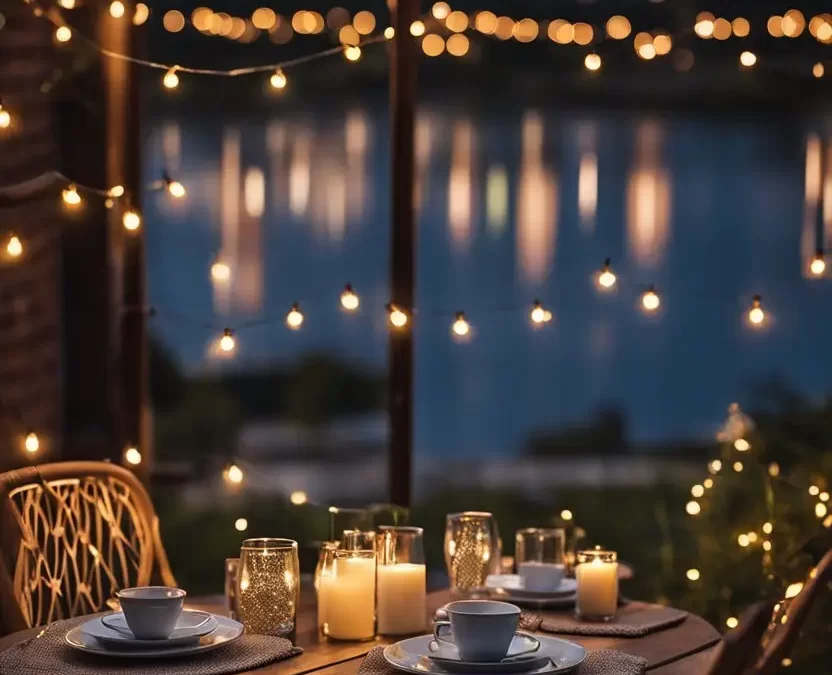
{"x": 686, "y": 649}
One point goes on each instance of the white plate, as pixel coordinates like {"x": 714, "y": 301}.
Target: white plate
{"x": 226, "y": 631}
{"x": 191, "y": 626}
{"x": 513, "y": 585}
{"x": 413, "y": 656}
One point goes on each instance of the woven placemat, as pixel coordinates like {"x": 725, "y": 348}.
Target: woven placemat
{"x": 49, "y": 654}
{"x": 636, "y": 624}
{"x": 598, "y": 662}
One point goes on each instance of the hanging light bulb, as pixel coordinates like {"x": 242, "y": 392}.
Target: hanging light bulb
{"x": 278, "y": 80}
{"x": 132, "y": 456}
{"x": 116, "y": 191}
{"x": 748, "y": 59}
{"x": 352, "y": 53}
{"x": 171, "y": 79}
{"x": 606, "y": 277}
{"x": 756, "y": 315}
{"x": 67, "y": 4}
{"x": 742, "y": 445}
{"x": 233, "y": 474}
{"x": 294, "y": 319}
{"x": 5, "y": 117}
{"x": 227, "y": 341}
{"x": 116, "y": 9}
{"x": 460, "y": 326}
{"x": 174, "y": 187}
{"x": 539, "y": 314}
{"x": 131, "y": 220}
{"x": 220, "y": 271}
{"x": 32, "y": 443}
{"x": 397, "y": 317}
{"x": 70, "y": 195}
{"x": 818, "y": 265}
{"x": 650, "y": 300}
{"x": 349, "y": 300}
{"x": 63, "y": 34}
{"x": 592, "y": 62}
{"x": 14, "y": 247}
{"x": 389, "y": 32}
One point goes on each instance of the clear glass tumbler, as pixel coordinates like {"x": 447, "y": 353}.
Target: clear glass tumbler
{"x": 268, "y": 586}
{"x": 401, "y": 579}
{"x": 471, "y": 546}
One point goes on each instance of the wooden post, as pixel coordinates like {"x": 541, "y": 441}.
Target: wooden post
{"x": 403, "y": 70}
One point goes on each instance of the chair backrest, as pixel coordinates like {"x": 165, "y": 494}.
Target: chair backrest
{"x": 790, "y": 615}
{"x": 741, "y": 647}
{"x": 71, "y": 534}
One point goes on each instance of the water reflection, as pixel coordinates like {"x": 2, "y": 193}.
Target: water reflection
{"x": 648, "y": 198}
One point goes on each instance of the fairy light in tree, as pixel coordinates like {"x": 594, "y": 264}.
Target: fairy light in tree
{"x": 233, "y": 474}
{"x": 14, "y": 247}
{"x": 748, "y": 59}
{"x": 440, "y": 10}
{"x": 818, "y": 265}
{"x": 352, "y": 53}
{"x": 31, "y": 443}
{"x": 132, "y": 456}
{"x": 349, "y": 300}
{"x": 116, "y": 9}
{"x": 692, "y": 574}
{"x": 693, "y": 508}
{"x": 174, "y": 187}
{"x": 766, "y": 545}
{"x": 63, "y": 34}
{"x": 294, "y": 319}
{"x": 756, "y": 315}
{"x": 398, "y": 318}
{"x": 539, "y": 314}
{"x": 227, "y": 341}
{"x": 566, "y": 514}
{"x": 141, "y": 14}
{"x": 131, "y": 220}
{"x": 697, "y": 490}
{"x": 278, "y": 80}
{"x": 171, "y": 79}
{"x": 753, "y": 537}
{"x": 742, "y": 445}
{"x": 606, "y": 277}
{"x": 70, "y": 195}
{"x": 5, "y": 117}
{"x": 592, "y": 61}
{"x": 818, "y": 70}
{"x": 461, "y": 327}
{"x": 650, "y": 300}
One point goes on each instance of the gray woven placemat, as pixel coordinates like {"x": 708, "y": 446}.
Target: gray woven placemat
{"x": 598, "y": 662}
{"x": 51, "y": 655}
{"x": 636, "y": 624}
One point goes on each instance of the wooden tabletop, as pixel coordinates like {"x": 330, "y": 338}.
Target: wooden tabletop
{"x": 685, "y": 649}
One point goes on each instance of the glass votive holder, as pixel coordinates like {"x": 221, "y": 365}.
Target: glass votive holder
{"x": 348, "y": 596}
{"x": 597, "y": 576}
{"x": 359, "y": 540}
{"x": 402, "y": 581}
{"x": 232, "y": 566}
{"x": 539, "y": 554}
{"x": 268, "y": 586}
{"x": 324, "y": 573}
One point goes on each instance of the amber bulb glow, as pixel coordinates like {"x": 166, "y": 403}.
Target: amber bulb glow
{"x": 278, "y": 80}
{"x": 234, "y": 474}
{"x": 650, "y": 300}
{"x": 220, "y": 271}
{"x": 63, "y": 34}
{"x": 14, "y": 247}
{"x": 132, "y": 456}
{"x": 352, "y": 53}
{"x": 117, "y": 9}
{"x": 397, "y": 317}
{"x": 756, "y": 315}
{"x": 32, "y": 443}
{"x": 131, "y": 220}
{"x": 592, "y": 62}
{"x": 171, "y": 79}
{"x": 818, "y": 265}
{"x": 175, "y": 188}
{"x": 606, "y": 277}
{"x": 349, "y": 300}
{"x": 227, "y": 341}
{"x": 5, "y": 118}
{"x": 748, "y": 59}
{"x": 460, "y": 326}
{"x": 294, "y": 319}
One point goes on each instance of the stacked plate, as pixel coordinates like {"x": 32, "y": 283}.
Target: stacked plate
{"x": 195, "y": 632}
{"x": 417, "y": 655}
{"x": 509, "y": 588}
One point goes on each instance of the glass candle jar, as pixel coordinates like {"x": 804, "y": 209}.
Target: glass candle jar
{"x": 539, "y": 554}
{"x": 268, "y": 586}
{"x": 232, "y": 567}
{"x": 348, "y": 596}
{"x": 597, "y": 576}
{"x": 471, "y": 546}
{"x": 323, "y": 575}
{"x": 402, "y": 604}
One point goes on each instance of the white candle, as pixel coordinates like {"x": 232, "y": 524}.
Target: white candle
{"x": 349, "y": 599}
{"x": 402, "y": 607}
{"x": 597, "y": 588}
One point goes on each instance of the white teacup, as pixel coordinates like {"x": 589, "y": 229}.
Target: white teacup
{"x": 151, "y": 612}
{"x": 541, "y": 577}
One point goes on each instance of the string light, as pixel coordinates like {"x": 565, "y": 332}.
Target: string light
{"x": 738, "y": 467}
{"x": 397, "y": 317}
{"x": 241, "y": 524}
{"x": 417, "y": 28}
{"x": 278, "y": 80}
{"x": 220, "y": 271}
{"x": 389, "y": 32}
{"x": 692, "y": 574}
{"x": 14, "y": 247}
{"x": 116, "y": 191}
{"x": 820, "y": 509}
{"x": 566, "y": 514}
{"x": 743, "y": 540}
{"x": 294, "y": 319}
{"x": 234, "y": 474}
{"x": 606, "y": 277}
{"x": 349, "y": 300}
{"x": 748, "y": 59}
{"x": 461, "y": 327}
{"x": 715, "y": 466}
{"x": 70, "y": 195}
{"x": 818, "y": 265}
{"x": 786, "y": 662}
{"x": 440, "y": 10}
{"x": 141, "y": 14}
{"x": 732, "y": 622}
{"x": 67, "y": 4}
{"x": 592, "y": 61}
{"x": 298, "y": 497}
{"x": 693, "y": 508}
{"x": 174, "y": 187}
{"x": 697, "y": 490}
{"x": 650, "y": 300}
{"x": 5, "y": 117}
{"x": 824, "y": 496}
{"x": 131, "y": 220}
{"x": 132, "y": 456}
{"x": 753, "y": 537}
{"x": 742, "y": 445}
{"x": 704, "y": 26}
{"x": 793, "y": 590}
{"x": 708, "y": 483}
{"x": 814, "y": 490}
{"x": 768, "y": 528}
{"x": 352, "y": 53}
{"x": 171, "y": 79}
{"x": 63, "y": 34}
{"x": 227, "y": 341}
{"x": 116, "y": 9}
{"x": 32, "y": 443}
{"x": 766, "y": 545}
{"x": 774, "y": 469}
{"x": 539, "y": 314}
{"x": 756, "y": 315}
{"x": 818, "y": 70}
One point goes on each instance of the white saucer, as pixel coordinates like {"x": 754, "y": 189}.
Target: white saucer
{"x": 513, "y": 584}
{"x": 519, "y": 659}
{"x": 190, "y": 626}
{"x": 226, "y": 631}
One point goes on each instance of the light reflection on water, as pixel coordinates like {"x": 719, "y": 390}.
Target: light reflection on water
{"x": 511, "y": 207}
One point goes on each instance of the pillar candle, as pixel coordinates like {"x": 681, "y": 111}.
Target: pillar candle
{"x": 402, "y": 607}
{"x": 597, "y": 588}
{"x": 348, "y": 599}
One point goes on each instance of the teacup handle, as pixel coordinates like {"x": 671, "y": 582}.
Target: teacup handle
{"x": 437, "y": 635}
{"x": 531, "y": 649}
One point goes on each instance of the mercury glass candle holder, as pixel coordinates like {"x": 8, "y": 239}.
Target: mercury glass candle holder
{"x": 471, "y": 546}
{"x": 268, "y": 586}
{"x": 597, "y": 576}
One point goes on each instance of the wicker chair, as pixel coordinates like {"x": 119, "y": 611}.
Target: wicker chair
{"x": 71, "y": 534}
{"x": 789, "y": 616}
{"x": 741, "y": 647}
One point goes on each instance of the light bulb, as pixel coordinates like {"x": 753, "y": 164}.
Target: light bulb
{"x": 738, "y": 467}
{"x": 774, "y": 469}
{"x": 606, "y": 277}
{"x": 741, "y": 445}
{"x": 14, "y": 247}
{"x": 743, "y": 540}
{"x": 241, "y": 524}
{"x": 171, "y": 79}
{"x": 131, "y": 220}
{"x": 715, "y": 466}
{"x": 133, "y": 456}
{"x": 63, "y": 34}
{"x": 650, "y": 300}
{"x": 32, "y": 444}
{"x": 692, "y": 574}
{"x": 756, "y": 315}
{"x": 697, "y": 490}
{"x": 460, "y": 326}
{"x": 352, "y": 53}
{"x": 298, "y": 497}
{"x": 278, "y": 79}
{"x": 234, "y": 474}
{"x": 397, "y": 317}
{"x": 768, "y": 528}
{"x": 116, "y": 9}
{"x": 389, "y": 32}
{"x": 592, "y": 61}
{"x": 566, "y": 514}
{"x": 294, "y": 319}
{"x": 67, "y": 4}
{"x": 71, "y": 196}
{"x": 174, "y": 187}
{"x": 818, "y": 70}
{"x": 5, "y": 118}
{"x": 824, "y": 496}
{"x": 732, "y": 622}
{"x": 708, "y": 483}
{"x": 417, "y": 28}
{"x": 116, "y": 191}
{"x": 349, "y": 300}
{"x": 539, "y": 314}
{"x": 818, "y": 265}
{"x": 227, "y": 341}
{"x": 692, "y": 508}
{"x": 821, "y": 509}
{"x": 220, "y": 271}
{"x": 748, "y": 59}
{"x": 814, "y": 490}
